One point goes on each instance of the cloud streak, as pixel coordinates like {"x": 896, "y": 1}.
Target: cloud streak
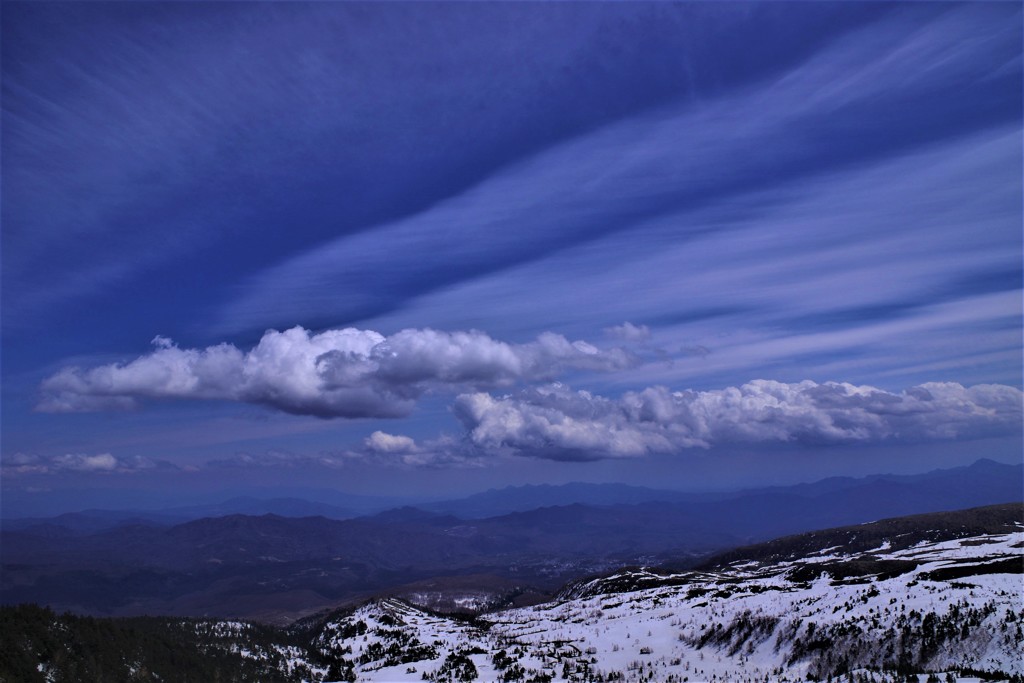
{"x": 30, "y": 463}
{"x": 557, "y": 423}
{"x": 920, "y": 252}
{"x": 336, "y": 373}
{"x": 326, "y": 96}
{"x": 683, "y": 157}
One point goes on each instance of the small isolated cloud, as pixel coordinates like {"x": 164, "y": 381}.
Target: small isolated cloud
{"x": 627, "y": 331}
{"x": 403, "y": 450}
{"x": 28, "y": 463}
{"x": 381, "y": 442}
{"x": 337, "y": 373}
{"x": 558, "y": 423}
{"x": 104, "y": 462}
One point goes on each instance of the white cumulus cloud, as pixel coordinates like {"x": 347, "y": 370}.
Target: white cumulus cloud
{"x": 444, "y": 451}
{"x": 382, "y": 442}
{"x": 336, "y": 373}
{"x": 558, "y": 423}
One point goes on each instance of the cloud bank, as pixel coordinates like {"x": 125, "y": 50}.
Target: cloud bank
{"x": 557, "y": 423}
{"x": 337, "y": 373}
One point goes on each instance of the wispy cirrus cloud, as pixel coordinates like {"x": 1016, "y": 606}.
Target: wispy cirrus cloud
{"x": 336, "y": 373}
{"x": 800, "y": 125}
{"x": 918, "y": 252}
{"x": 326, "y": 96}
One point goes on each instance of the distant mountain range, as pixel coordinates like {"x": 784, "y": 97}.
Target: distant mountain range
{"x": 286, "y": 501}
{"x": 97, "y": 520}
{"x": 530, "y": 497}
{"x": 983, "y": 480}
{"x": 271, "y": 566}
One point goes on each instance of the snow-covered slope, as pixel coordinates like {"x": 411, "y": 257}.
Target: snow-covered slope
{"x": 948, "y": 606}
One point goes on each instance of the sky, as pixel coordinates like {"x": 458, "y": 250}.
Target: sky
{"x": 426, "y": 249}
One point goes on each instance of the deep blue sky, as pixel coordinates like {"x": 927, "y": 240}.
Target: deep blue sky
{"x": 691, "y": 245}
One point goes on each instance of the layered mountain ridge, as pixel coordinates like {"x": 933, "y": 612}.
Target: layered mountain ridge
{"x": 276, "y": 568}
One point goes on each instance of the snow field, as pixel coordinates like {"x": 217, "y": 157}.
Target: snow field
{"x": 749, "y": 622}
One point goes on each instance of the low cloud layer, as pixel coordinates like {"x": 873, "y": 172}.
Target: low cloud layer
{"x": 30, "y": 463}
{"x": 554, "y": 422}
{"x": 557, "y": 423}
{"x": 337, "y": 373}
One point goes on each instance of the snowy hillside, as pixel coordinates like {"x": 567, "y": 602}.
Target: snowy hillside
{"x": 948, "y": 606}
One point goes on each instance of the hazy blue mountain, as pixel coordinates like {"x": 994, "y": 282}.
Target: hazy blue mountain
{"x": 98, "y": 520}
{"x": 158, "y": 506}
{"x": 91, "y": 521}
{"x": 249, "y": 505}
{"x": 522, "y": 498}
{"x": 985, "y": 480}
{"x": 269, "y": 564}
